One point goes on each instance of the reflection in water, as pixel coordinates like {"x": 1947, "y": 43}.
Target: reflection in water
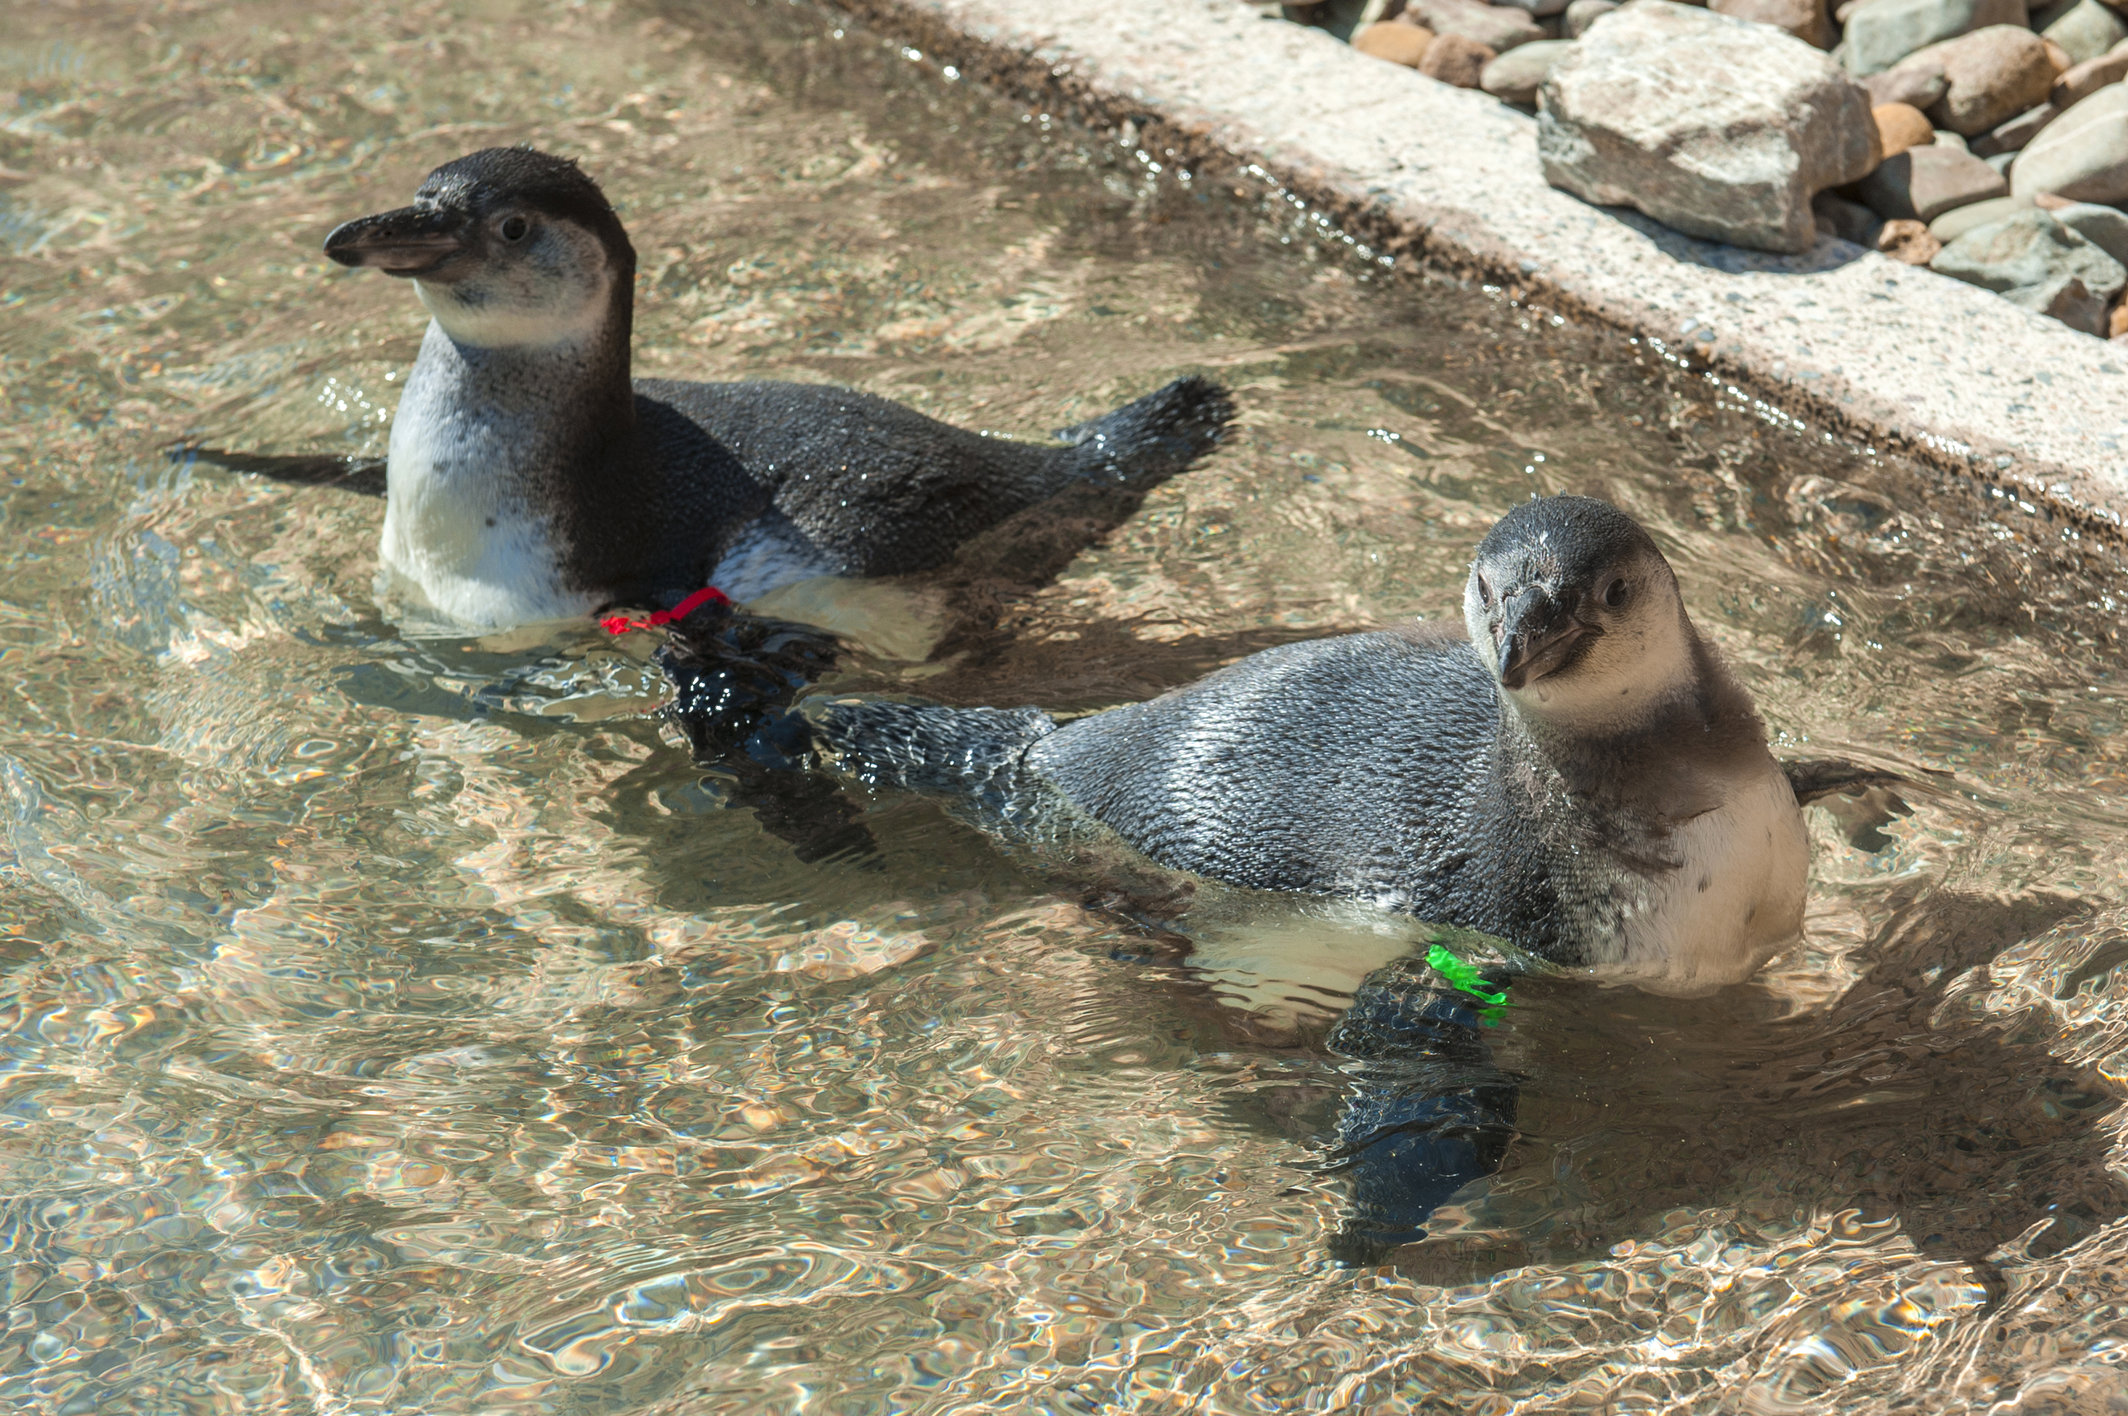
{"x": 405, "y": 1026}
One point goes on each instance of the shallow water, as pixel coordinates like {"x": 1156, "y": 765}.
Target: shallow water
{"x": 401, "y": 1025}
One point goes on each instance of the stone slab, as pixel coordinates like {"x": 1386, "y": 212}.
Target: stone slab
{"x": 1895, "y": 354}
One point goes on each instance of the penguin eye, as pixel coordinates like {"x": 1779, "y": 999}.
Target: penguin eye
{"x": 514, "y": 228}
{"x": 1485, "y": 589}
{"x": 1614, "y": 594}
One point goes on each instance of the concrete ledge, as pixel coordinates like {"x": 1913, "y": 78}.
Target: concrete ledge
{"x": 1894, "y": 354}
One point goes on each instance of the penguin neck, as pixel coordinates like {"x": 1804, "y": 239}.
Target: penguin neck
{"x": 515, "y": 485}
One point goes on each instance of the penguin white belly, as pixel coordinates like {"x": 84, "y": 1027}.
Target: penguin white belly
{"x": 1735, "y": 901}
{"x": 457, "y": 533}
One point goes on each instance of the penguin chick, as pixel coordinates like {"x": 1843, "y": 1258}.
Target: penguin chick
{"x": 1575, "y": 772}
{"x": 528, "y": 479}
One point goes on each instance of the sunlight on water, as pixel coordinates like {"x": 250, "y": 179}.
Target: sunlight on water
{"x": 401, "y": 1024}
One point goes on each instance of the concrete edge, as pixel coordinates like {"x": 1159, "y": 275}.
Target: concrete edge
{"x": 1894, "y": 356}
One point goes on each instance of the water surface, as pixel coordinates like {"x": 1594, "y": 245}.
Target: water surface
{"x": 399, "y": 1025}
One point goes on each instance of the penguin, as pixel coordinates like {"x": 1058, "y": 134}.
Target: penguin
{"x": 530, "y": 479}
{"x": 1574, "y": 771}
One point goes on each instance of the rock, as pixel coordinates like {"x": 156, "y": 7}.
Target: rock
{"x": 1846, "y": 8}
{"x": 1395, "y": 41}
{"x": 2103, "y": 226}
{"x": 2013, "y": 135}
{"x": 1907, "y": 241}
{"x": 2083, "y": 80}
{"x": 1915, "y": 83}
{"x": 1901, "y": 126}
{"x": 1805, "y": 19}
{"x": 1497, "y": 27}
{"x": 1717, "y": 126}
{"x": 2083, "y": 154}
{"x": 1883, "y": 32}
{"x": 1583, "y": 13}
{"x": 1946, "y": 138}
{"x": 1849, "y": 221}
{"x": 1515, "y": 75}
{"x": 2001, "y": 161}
{"x": 1456, "y": 59}
{"x": 2057, "y": 56}
{"x": 1542, "y": 9}
{"x": 2087, "y": 31}
{"x": 1922, "y": 183}
{"x": 2030, "y": 257}
{"x": 1959, "y": 220}
{"x": 2046, "y": 12}
{"x": 1990, "y": 76}
{"x": 2117, "y": 326}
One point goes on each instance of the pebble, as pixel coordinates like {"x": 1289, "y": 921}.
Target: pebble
{"x": 1901, "y": 126}
{"x": 2016, "y": 133}
{"x": 2030, "y": 257}
{"x": 1991, "y": 76}
{"x": 1908, "y": 242}
{"x": 1882, "y": 32}
{"x": 2103, "y": 226}
{"x": 1915, "y": 84}
{"x": 1583, "y": 13}
{"x": 2088, "y": 31}
{"x": 1922, "y": 183}
{"x": 1515, "y": 76}
{"x": 2083, "y": 80}
{"x": 1959, "y": 220}
{"x": 1716, "y": 126}
{"x": 2117, "y": 327}
{"x": 1456, "y": 59}
{"x": 1946, "y": 138}
{"x": 1805, "y": 19}
{"x": 2082, "y": 154}
{"x": 1395, "y": 41}
{"x": 1542, "y": 9}
{"x": 1497, "y": 27}
{"x": 2000, "y": 161}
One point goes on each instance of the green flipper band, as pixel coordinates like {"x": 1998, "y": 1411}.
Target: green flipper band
{"x": 1463, "y": 976}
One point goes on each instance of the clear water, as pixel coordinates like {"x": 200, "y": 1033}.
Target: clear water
{"x": 404, "y": 1026}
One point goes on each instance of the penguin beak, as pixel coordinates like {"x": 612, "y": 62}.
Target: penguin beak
{"x": 1535, "y": 635}
{"x": 409, "y": 241}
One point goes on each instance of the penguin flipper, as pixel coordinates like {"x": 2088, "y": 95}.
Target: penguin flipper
{"x": 363, "y": 476}
{"x": 959, "y": 752}
{"x": 1813, "y": 778}
{"x": 1151, "y": 439}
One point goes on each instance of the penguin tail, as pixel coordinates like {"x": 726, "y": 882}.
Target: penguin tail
{"x": 961, "y": 752}
{"x": 1151, "y": 439}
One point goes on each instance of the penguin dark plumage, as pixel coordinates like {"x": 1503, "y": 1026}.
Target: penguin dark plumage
{"x": 529, "y": 479}
{"x": 1579, "y": 775}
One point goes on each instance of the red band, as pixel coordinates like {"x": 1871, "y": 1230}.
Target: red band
{"x": 708, "y": 595}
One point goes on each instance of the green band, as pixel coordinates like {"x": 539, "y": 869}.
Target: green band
{"x": 1462, "y": 975}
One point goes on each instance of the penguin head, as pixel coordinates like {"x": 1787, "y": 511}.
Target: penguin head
{"x": 506, "y": 246}
{"x": 1578, "y": 615}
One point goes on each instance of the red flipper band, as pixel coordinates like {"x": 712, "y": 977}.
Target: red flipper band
{"x": 708, "y": 595}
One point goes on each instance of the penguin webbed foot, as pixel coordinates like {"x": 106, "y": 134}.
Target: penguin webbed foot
{"x": 1151, "y": 439}
{"x": 1863, "y": 800}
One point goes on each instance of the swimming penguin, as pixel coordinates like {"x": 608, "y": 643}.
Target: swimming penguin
{"x": 1574, "y": 771}
{"x": 529, "y": 479}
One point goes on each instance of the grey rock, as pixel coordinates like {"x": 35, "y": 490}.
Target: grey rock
{"x": 1883, "y": 32}
{"x": 1515, "y": 75}
{"x": 2046, "y": 14}
{"x": 2083, "y": 80}
{"x": 2087, "y": 31}
{"x": 2014, "y": 135}
{"x": 2027, "y": 255}
{"x": 1583, "y": 13}
{"x": 2082, "y": 154}
{"x": 1955, "y": 141}
{"x": 2001, "y": 161}
{"x": 1959, "y": 220}
{"x": 1542, "y": 9}
{"x": 2064, "y": 298}
{"x": 1913, "y": 82}
{"x": 2103, "y": 226}
{"x": 1719, "y": 127}
{"x": 1497, "y": 27}
{"x": 1925, "y": 182}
